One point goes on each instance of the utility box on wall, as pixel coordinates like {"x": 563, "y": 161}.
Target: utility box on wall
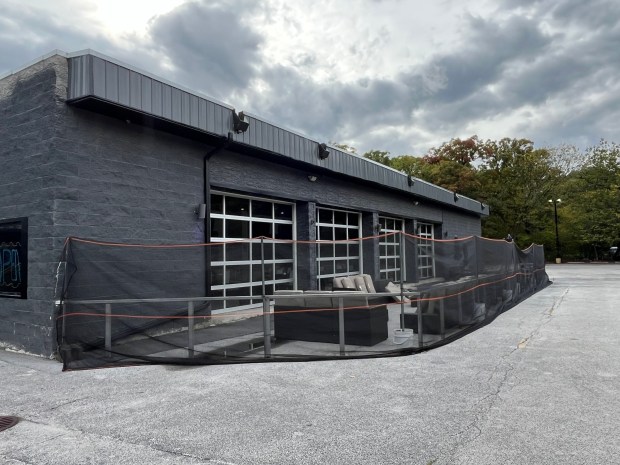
{"x": 14, "y": 258}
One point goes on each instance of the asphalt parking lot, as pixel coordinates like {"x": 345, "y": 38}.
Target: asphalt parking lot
{"x": 539, "y": 385}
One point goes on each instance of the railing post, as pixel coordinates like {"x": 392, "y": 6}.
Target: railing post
{"x": 190, "y": 329}
{"x": 262, "y": 263}
{"x": 420, "y": 327}
{"x": 108, "y": 329}
{"x": 266, "y": 327}
{"x": 402, "y": 296}
{"x": 341, "y": 325}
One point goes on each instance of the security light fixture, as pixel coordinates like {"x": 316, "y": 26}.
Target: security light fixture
{"x": 312, "y": 178}
{"x": 410, "y": 181}
{"x": 239, "y": 123}
{"x": 201, "y": 211}
{"x": 482, "y": 206}
{"x": 323, "y": 152}
{"x": 456, "y": 197}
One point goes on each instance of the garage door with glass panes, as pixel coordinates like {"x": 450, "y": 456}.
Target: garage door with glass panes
{"x": 236, "y": 266}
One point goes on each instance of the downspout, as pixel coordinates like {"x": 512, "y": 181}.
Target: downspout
{"x": 207, "y": 201}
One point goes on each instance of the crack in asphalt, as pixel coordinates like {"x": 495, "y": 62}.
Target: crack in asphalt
{"x": 503, "y": 368}
{"x": 205, "y": 460}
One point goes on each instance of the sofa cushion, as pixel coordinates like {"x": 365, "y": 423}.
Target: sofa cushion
{"x": 369, "y": 285}
{"x": 348, "y": 283}
{"x": 360, "y": 283}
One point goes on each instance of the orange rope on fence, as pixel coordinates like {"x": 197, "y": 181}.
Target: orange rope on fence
{"x": 309, "y": 310}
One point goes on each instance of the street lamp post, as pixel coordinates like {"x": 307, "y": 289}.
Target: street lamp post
{"x": 558, "y": 253}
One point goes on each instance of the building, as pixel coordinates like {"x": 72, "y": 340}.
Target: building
{"x": 93, "y": 148}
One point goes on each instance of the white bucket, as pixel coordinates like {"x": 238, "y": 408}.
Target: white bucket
{"x": 401, "y": 335}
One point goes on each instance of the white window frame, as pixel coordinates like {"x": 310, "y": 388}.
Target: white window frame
{"x": 389, "y": 225}
{"x": 426, "y": 250}
{"x": 224, "y": 263}
{"x": 333, "y": 258}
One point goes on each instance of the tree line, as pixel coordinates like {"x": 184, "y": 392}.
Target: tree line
{"x": 520, "y": 184}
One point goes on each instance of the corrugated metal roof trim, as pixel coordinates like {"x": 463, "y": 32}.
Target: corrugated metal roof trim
{"x": 123, "y": 84}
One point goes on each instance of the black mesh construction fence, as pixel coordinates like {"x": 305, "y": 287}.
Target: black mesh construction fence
{"x": 262, "y": 299}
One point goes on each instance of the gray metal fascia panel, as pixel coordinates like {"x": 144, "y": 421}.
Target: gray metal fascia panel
{"x": 193, "y": 111}
{"x": 105, "y": 78}
{"x": 123, "y": 87}
{"x": 98, "y": 77}
{"x": 157, "y": 98}
{"x": 147, "y": 96}
{"x": 111, "y": 82}
{"x": 135, "y": 90}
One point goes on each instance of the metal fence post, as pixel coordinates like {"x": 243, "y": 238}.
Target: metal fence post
{"x": 108, "y": 329}
{"x": 341, "y": 325}
{"x": 190, "y": 329}
{"x": 266, "y": 327}
{"x": 402, "y": 296}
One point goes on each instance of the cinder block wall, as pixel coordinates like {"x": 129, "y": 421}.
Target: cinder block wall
{"x": 30, "y": 106}
{"x": 76, "y": 173}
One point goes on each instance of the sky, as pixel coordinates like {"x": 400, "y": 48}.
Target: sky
{"x": 396, "y": 75}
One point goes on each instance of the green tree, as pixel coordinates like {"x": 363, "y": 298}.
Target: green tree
{"x": 379, "y": 156}
{"x": 592, "y": 203}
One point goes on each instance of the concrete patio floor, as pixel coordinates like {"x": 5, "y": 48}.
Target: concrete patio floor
{"x": 538, "y": 385}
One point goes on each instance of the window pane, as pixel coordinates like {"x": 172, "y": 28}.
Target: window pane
{"x": 284, "y": 251}
{"x": 340, "y": 234}
{"x": 217, "y": 227}
{"x": 284, "y": 270}
{"x": 341, "y": 266}
{"x": 262, "y": 209}
{"x": 354, "y": 219}
{"x": 268, "y": 250}
{"x": 354, "y": 233}
{"x": 326, "y": 250}
{"x": 217, "y": 253}
{"x": 354, "y": 266}
{"x": 237, "y": 206}
{"x": 284, "y": 231}
{"x": 340, "y": 218}
{"x": 260, "y": 229}
{"x": 217, "y": 275}
{"x": 326, "y": 233}
{"x": 325, "y": 216}
{"x": 238, "y": 274}
{"x": 354, "y": 250}
{"x": 326, "y": 267}
{"x": 237, "y": 252}
{"x": 284, "y": 212}
{"x": 217, "y": 203}
{"x": 341, "y": 250}
{"x": 257, "y": 273}
{"x": 237, "y": 229}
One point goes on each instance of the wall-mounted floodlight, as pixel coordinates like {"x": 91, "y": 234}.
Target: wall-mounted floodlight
{"x": 323, "y": 151}
{"x": 201, "y": 211}
{"x": 239, "y": 123}
{"x": 410, "y": 181}
{"x": 456, "y": 197}
{"x": 312, "y": 178}
{"x": 482, "y": 206}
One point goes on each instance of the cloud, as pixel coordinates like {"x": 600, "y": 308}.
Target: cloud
{"x": 388, "y": 74}
{"x": 208, "y": 45}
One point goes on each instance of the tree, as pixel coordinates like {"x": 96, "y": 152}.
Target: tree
{"x": 592, "y": 200}
{"x": 379, "y": 156}
{"x": 344, "y": 147}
